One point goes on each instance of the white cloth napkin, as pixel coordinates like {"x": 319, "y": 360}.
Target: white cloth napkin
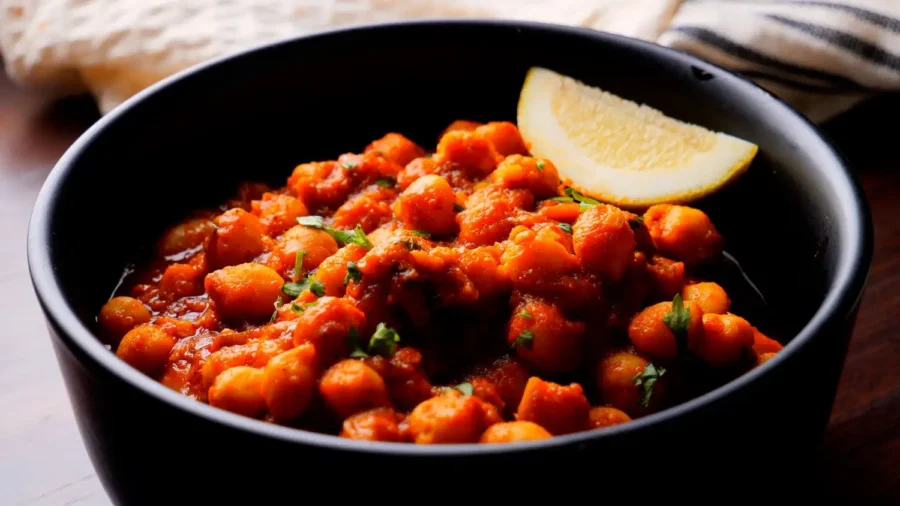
{"x": 821, "y": 56}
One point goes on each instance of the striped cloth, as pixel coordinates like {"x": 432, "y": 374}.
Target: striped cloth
{"x": 822, "y": 56}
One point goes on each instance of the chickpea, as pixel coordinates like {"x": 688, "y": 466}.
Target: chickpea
{"x": 184, "y": 236}
{"x": 146, "y": 348}
{"x": 396, "y": 148}
{"x": 544, "y": 339}
{"x": 278, "y": 213}
{"x": 523, "y": 172}
{"x": 451, "y": 418}
{"x": 615, "y": 383}
{"x": 289, "y": 380}
{"x": 379, "y": 424}
{"x": 604, "y": 416}
{"x": 239, "y": 238}
{"x": 317, "y": 245}
{"x": 121, "y": 314}
{"x": 350, "y": 386}
{"x": 245, "y": 291}
{"x": 482, "y": 266}
{"x": 326, "y": 325}
{"x": 652, "y": 337}
{"x": 332, "y": 272}
{"x": 683, "y": 233}
{"x": 414, "y": 170}
{"x": 510, "y": 378}
{"x": 511, "y": 432}
{"x": 468, "y": 149}
{"x": 764, "y": 344}
{"x": 490, "y": 215}
{"x": 557, "y": 408}
{"x": 461, "y": 125}
{"x": 238, "y": 390}
{"x": 181, "y": 280}
{"x": 534, "y": 258}
{"x": 369, "y": 209}
{"x": 428, "y": 205}
{"x": 709, "y": 296}
{"x": 724, "y": 339}
{"x": 504, "y": 136}
{"x": 604, "y": 241}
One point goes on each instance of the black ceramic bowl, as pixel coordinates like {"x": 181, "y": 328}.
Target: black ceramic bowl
{"x": 796, "y": 221}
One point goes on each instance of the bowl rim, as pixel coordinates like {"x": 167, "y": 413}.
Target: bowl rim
{"x": 841, "y": 299}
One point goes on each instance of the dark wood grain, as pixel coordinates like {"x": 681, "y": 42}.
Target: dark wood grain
{"x": 43, "y": 462}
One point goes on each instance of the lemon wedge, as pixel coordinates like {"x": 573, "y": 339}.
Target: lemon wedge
{"x": 621, "y": 152}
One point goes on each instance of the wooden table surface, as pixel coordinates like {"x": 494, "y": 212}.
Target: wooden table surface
{"x": 43, "y": 461}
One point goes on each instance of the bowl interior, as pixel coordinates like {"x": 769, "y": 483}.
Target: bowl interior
{"x": 254, "y": 117}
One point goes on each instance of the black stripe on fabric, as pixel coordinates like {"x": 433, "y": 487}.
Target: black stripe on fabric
{"x": 751, "y": 55}
{"x": 862, "y": 48}
{"x": 876, "y": 18}
{"x": 810, "y": 88}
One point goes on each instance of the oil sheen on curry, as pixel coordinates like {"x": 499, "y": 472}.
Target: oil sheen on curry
{"x": 459, "y": 296}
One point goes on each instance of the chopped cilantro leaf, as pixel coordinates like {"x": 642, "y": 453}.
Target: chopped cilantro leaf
{"x": 293, "y": 290}
{"x": 311, "y": 221}
{"x": 278, "y": 304}
{"x": 421, "y": 233}
{"x": 636, "y": 223}
{"x": 355, "y": 236}
{"x": 348, "y": 166}
{"x": 298, "y": 263}
{"x": 353, "y": 273}
{"x": 525, "y": 339}
{"x": 524, "y": 314}
{"x": 678, "y": 319}
{"x": 540, "y": 165}
{"x": 577, "y": 196}
{"x": 645, "y": 381}
{"x": 308, "y": 283}
{"x": 384, "y": 341}
{"x": 386, "y": 182}
{"x": 565, "y": 227}
{"x": 563, "y": 199}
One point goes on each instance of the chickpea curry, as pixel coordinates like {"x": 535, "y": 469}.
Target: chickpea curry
{"x": 459, "y": 296}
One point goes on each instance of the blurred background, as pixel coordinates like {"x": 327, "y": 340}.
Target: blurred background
{"x": 67, "y": 62}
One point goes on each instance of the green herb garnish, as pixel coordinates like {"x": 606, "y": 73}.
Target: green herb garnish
{"x": 308, "y": 283}
{"x": 539, "y": 165}
{"x": 645, "y": 381}
{"x": 355, "y": 236}
{"x": 384, "y": 341}
{"x": 312, "y": 221}
{"x": 348, "y": 166}
{"x": 353, "y": 342}
{"x": 678, "y": 319}
{"x": 386, "y": 182}
{"x": 525, "y": 339}
{"x": 466, "y": 388}
{"x": 636, "y": 223}
{"x": 563, "y": 199}
{"x": 410, "y": 244}
{"x": 278, "y": 304}
{"x": 353, "y": 273}
{"x": 422, "y": 233}
{"x": 458, "y": 208}
{"x": 524, "y": 314}
{"x": 298, "y": 263}
{"x": 565, "y": 227}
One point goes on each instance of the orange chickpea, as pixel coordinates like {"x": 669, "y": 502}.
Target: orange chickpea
{"x": 764, "y": 344}
{"x": 332, "y": 272}
{"x": 652, "y": 337}
{"x": 428, "y": 205}
{"x": 461, "y": 125}
{"x": 350, "y": 386}
{"x": 181, "y": 280}
{"x": 615, "y": 383}
{"x": 604, "y": 241}
{"x": 468, "y": 149}
{"x": 396, "y": 148}
{"x": 544, "y": 339}
{"x": 709, "y": 296}
{"x": 289, "y": 380}
{"x": 379, "y": 424}
{"x": 121, "y": 314}
{"x": 557, "y": 408}
{"x": 278, "y": 212}
{"x": 451, "y": 418}
{"x": 414, "y": 170}
{"x": 317, "y": 244}
{"x": 512, "y": 432}
{"x": 490, "y": 215}
{"x": 245, "y": 291}
{"x": 523, "y": 172}
{"x": 369, "y": 209}
{"x": 504, "y": 136}
{"x": 239, "y": 238}
{"x": 683, "y": 233}
{"x": 604, "y": 416}
{"x": 326, "y": 325}
{"x": 724, "y": 338}
{"x": 238, "y": 390}
{"x": 537, "y": 257}
{"x": 146, "y": 348}
{"x": 185, "y": 236}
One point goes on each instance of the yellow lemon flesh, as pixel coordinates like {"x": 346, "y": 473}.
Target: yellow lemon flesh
{"x": 622, "y": 152}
